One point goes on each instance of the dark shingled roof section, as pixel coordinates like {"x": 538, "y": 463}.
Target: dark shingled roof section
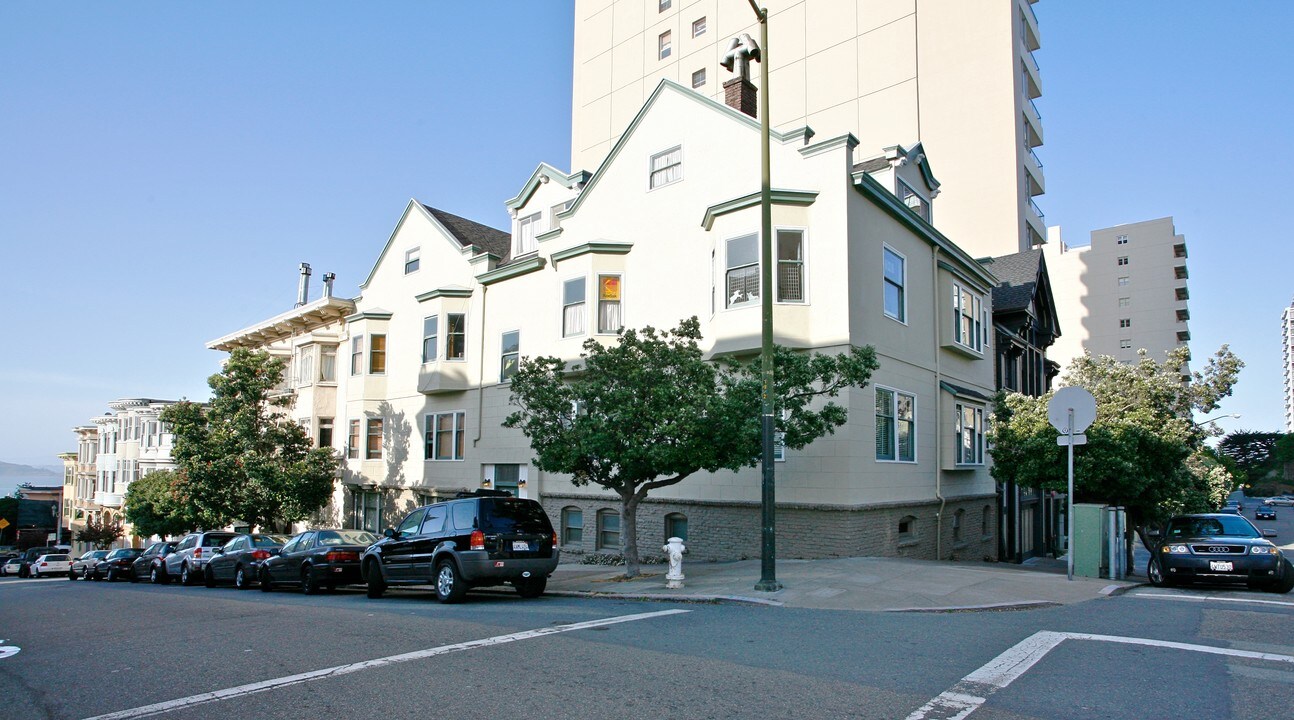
{"x": 495, "y": 242}
{"x": 1019, "y": 276}
{"x": 875, "y": 164}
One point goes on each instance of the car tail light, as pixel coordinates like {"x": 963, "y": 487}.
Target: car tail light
{"x": 197, "y": 552}
{"x": 261, "y": 555}
{"x": 478, "y": 540}
{"x": 341, "y": 556}
{"x": 44, "y": 564}
{"x": 554, "y": 538}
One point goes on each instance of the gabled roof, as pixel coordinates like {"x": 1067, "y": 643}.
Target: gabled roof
{"x": 545, "y": 173}
{"x": 896, "y": 155}
{"x": 466, "y": 233}
{"x": 1024, "y": 284}
{"x": 801, "y": 134}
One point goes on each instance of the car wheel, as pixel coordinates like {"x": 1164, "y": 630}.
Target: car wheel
{"x": 373, "y": 576}
{"x": 71, "y": 574}
{"x": 95, "y": 575}
{"x": 208, "y": 577}
{"x": 241, "y": 580}
{"x": 23, "y": 572}
{"x": 1156, "y": 574}
{"x": 1286, "y": 582}
{"x": 85, "y": 573}
{"x": 531, "y": 587}
{"x": 264, "y": 578}
{"x": 450, "y": 587}
{"x": 35, "y": 573}
{"x": 112, "y": 575}
{"x": 133, "y": 576}
{"x": 158, "y": 576}
{"x": 309, "y": 585}
{"x": 186, "y": 578}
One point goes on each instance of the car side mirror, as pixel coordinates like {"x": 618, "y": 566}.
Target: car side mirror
{"x": 218, "y": 551}
{"x": 1268, "y": 532}
{"x": 390, "y": 533}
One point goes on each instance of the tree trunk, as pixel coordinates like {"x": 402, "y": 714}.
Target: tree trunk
{"x": 629, "y": 532}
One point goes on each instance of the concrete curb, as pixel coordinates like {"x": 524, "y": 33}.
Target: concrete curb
{"x": 1023, "y": 605}
{"x": 655, "y": 597}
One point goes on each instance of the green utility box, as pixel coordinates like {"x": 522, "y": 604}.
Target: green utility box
{"x": 1089, "y": 539}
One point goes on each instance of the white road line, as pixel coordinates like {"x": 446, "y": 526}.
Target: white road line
{"x": 24, "y": 581}
{"x": 974, "y": 690}
{"x": 250, "y": 688}
{"x": 1202, "y": 598}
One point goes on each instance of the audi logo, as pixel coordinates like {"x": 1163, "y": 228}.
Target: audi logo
{"x": 1219, "y": 549}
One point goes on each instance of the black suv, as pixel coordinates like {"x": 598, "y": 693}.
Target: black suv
{"x": 482, "y": 538}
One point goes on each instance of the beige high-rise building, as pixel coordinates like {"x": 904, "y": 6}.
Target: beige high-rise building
{"x": 1123, "y": 292}
{"x": 957, "y": 76}
{"x": 1287, "y": 342}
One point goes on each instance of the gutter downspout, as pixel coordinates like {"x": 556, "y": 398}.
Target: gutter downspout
{"x": 939, "y": 474}
{"x": 480, "y": 372}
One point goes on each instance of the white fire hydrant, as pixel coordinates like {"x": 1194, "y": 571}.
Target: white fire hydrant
{"x": 674, "y": 548}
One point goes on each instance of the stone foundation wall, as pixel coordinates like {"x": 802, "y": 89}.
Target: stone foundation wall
{"x": 731, "y": 531}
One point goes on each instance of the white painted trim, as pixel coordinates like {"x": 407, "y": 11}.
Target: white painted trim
{"x": 904, "y": 258}
{"x": 286, "y": 681}
{"x": 1203, "y": 598}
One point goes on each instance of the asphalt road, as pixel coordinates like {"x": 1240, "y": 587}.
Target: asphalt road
{"x": 89, "y": 649}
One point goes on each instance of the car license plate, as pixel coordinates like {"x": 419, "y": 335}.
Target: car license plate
{"x": 520, "y": 545}
{"x": 1221, "y": 565}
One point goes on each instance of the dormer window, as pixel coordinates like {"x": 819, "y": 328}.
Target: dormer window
{"x": 527, "y": 228}
{"x": 915, "y": 202}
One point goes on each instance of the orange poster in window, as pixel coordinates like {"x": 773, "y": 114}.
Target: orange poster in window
{"x": 610, "y": 288}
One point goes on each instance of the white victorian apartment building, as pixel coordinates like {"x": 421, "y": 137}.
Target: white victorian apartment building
{"x": 664, "y": 229}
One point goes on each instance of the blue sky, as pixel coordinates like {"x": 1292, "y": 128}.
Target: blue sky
{"x": 164, "y": 167}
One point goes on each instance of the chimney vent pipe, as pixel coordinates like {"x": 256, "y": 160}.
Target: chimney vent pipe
{"x": 303, "y": 285}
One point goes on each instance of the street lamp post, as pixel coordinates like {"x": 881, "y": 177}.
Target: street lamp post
{"x": 768, "y": 510}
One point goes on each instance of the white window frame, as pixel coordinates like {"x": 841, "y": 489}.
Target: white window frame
{"x": 434, "y": 337}
{"x": 977, "y": 315}
{"x": 621, "y": 302}
{"x": 457, "y": 436}
{"x": 698, "y": 27}
{"x": 894, "y": 415}
{"x": 1123, "y": 281}
{"x": 1125, "y": 344}
{"x": 751, "y": 299}
{"x": 412, "y": 256}
{"x": 1121, "y": 240}
{"x": 804, "y": 264}
{"x": 357, "y": 355}
{"x": 903, "y": 288}
{"x": 977, "y": 434}
{"x": 583, "y": 283}
{"x": 904, "y": 191}
{"x": 527, "y": 232}
{"x": 653, "y": 171}
{"x": 1125, "y": 302}
{"x": 698, "y": 78}
{"x": 1125, "y": 322}
{"x": 664, "y": 45}
{"x": 446, "y": 335}
{"x": 504, "y": 354}
{"x": 1123, "y": 260}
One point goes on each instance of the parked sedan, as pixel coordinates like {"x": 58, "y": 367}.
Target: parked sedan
{"x": 11, "y": 566}
{"x": 1265, "y": 512}
{"x": 47, "y": 565}
{"x": 116, "y": 564}
{"x": 239, "y": 560}
{"x": 82, "y": 566}
{"x": 149, "y": 562}
{"x": 1218, "y": 547}
{"x": 317, "y": 558}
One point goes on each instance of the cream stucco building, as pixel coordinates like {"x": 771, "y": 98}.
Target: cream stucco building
{"x": 1287, "y": 362}
{"x": 959, "y": 77}
{"x": 1126, "y": 290}
{"x": 664, "y": 229}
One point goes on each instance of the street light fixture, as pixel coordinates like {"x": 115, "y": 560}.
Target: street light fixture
{"x": 1215, "y": 419}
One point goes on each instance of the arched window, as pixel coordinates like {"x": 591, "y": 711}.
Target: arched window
{"x": 609, "y": 530}
{"x": 572, "y": 526}
{"x": 676, "y": 526}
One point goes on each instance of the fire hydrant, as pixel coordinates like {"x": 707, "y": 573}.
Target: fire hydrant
{"x": 674, "y": 548}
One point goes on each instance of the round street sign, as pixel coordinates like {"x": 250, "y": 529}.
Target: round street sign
{"x": 1071, "y": 398}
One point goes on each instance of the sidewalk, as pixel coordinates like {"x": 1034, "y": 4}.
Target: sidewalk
{"x": 866, "y": 583}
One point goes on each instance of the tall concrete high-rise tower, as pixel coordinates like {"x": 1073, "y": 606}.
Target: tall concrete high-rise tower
{"x": 1287, "y": 342}
{"x": 1123, "y": 292}
{"x": 957, "y": 76}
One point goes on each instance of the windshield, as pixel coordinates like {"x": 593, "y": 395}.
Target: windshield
{"x": 123, "y": 552}
{"x": 346, "y": 537}
{"x": 1229, "y": 526}
{"x": 268, "y": 540}
{"x": 515, "y": 515}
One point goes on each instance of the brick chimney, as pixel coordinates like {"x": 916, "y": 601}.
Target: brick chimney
{"x": 741, "y": 95}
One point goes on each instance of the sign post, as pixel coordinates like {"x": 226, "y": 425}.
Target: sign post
{"x": 1071, "y": 411}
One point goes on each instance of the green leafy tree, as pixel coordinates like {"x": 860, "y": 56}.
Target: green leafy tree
{"x": 1144, "y": 451}
{"x": 153, "y": 506}
{"x": 240, "y": 457}
{"x": 100, "y": 533}
{"x": 649, "y": 411}
{"x": 1253, "y": 453}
